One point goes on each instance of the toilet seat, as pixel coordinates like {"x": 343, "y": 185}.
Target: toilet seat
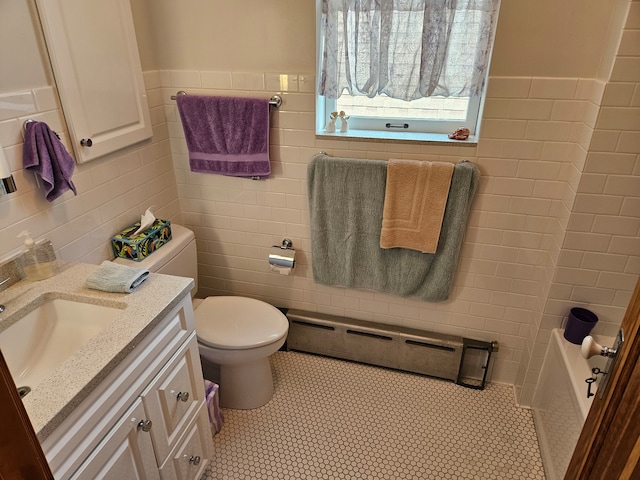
{"x": 238, "y": 323}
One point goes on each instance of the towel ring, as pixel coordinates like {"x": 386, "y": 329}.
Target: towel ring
{"x": 30, "y": 120}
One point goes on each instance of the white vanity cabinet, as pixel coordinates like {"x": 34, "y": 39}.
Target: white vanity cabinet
{"x": 147, "y": 419}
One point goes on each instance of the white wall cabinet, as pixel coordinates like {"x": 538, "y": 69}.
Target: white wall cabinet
{"x": 148, "y": 418}
{"x": 95, "y": 60}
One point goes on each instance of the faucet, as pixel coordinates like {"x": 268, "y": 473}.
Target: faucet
{"x": 2, "y": 283}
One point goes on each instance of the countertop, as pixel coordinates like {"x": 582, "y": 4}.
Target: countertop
{"x": 50, "y": 402}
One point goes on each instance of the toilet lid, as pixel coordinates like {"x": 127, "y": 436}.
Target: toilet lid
{"x": 238, "y": 323}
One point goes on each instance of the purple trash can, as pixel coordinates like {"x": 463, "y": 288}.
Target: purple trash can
{"x": 579, "y": 324}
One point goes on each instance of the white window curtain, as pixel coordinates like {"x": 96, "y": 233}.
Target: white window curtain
{"x": 406, "y": 49}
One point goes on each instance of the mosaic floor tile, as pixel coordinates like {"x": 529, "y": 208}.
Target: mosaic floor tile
{"x": 332, "y": 419}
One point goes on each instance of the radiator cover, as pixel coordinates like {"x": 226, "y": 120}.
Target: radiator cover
{"x": 428, "y": 353}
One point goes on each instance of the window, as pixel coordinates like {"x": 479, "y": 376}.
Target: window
{"x": 403, "y": 68}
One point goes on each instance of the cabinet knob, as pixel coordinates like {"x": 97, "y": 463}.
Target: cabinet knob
{"x": 183, "y": 396}
{"x": 194, "y": 460}
{"x": 86, "y": 142}
{"x": 145, "y": 425}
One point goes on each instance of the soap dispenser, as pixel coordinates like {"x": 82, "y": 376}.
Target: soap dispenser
{"x": 37, "y": 260}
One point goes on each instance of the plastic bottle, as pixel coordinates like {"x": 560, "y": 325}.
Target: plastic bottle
{"x": 37, "y": 261}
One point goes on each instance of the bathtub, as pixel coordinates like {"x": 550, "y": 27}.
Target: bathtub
{"x": 560, "y": 404}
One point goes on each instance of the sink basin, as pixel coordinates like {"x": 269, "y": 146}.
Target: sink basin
{"x": 43, "y": 339}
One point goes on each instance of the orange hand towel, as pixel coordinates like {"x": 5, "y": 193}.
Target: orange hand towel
{"x": 414, "y": 203}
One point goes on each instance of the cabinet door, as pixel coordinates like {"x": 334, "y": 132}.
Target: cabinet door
{"x": 94, "y": 55}
{"x": 125, "y": 453}
{"x": 173, "y": 398}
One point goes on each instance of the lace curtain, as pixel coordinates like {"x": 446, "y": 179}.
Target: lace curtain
{"x": 406, "y": 49}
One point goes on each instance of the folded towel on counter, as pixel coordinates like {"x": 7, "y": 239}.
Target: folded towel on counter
{"x": 226, "y": 135}
{"x": 113, "y": 277}
{"x": 346, "y": 201}
{"x": 415, "y": 197}
{"x": 45, "y": 155}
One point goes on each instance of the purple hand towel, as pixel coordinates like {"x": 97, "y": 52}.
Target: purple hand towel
{"x": 226, "y": 135}
{"x": 45, "y": 155}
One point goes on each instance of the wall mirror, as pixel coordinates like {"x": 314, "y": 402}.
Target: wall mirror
{"x": 23, "y": 59}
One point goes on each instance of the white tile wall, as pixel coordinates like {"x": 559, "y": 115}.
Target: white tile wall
{"x": 553, "y": 163}
{"x": 531, "y": 170}
{"x": 601, "y": 251}
{"x": 112, "y": 191}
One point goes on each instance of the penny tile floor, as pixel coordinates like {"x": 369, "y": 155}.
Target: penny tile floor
{"x": 333, "y": 419}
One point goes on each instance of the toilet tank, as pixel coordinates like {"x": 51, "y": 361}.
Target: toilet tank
{"x": 177, "y": 257}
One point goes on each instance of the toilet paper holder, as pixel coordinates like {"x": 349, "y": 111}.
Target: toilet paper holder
{"x": 286, "y": 244}
{"x": 283, "y": 255}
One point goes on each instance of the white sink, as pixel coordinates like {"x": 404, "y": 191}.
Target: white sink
{"x": 43, "y": 339}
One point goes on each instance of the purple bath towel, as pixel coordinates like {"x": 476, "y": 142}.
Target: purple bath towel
{"x": 226, "y": 135}
{"x": 45, "y": 155}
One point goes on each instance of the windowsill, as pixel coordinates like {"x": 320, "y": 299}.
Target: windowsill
{"x": 398, "y": 137}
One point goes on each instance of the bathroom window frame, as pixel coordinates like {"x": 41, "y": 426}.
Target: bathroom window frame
{"x": 375, "y": 127}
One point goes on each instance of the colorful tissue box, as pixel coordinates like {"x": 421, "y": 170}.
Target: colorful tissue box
{"x": 142, "y": 245}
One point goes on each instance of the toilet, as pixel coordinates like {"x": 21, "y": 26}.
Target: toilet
{"x": 237, "y": 334}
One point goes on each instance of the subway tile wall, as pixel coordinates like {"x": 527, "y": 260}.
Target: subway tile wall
{"x": 113, "y": 191}
{"x": 599, "y": 263}
{"x": 554, "y": 224}
{"x": 536, "y": 136}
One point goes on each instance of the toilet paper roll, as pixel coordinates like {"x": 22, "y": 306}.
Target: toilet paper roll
{"x": 281, "y": 270}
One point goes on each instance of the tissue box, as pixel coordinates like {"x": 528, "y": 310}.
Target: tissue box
{"x": 142, "y": 245}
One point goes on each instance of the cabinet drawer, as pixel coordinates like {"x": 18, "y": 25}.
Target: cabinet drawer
{"x": 173, "y": 398}
{"x": 126, "y": 452}
{"x": 189, "y": 459}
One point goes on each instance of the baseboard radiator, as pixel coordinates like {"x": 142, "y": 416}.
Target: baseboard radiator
{"x": 461, "y": 360}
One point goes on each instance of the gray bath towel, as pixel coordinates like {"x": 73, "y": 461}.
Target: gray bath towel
{"x": 346, "y": 200}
